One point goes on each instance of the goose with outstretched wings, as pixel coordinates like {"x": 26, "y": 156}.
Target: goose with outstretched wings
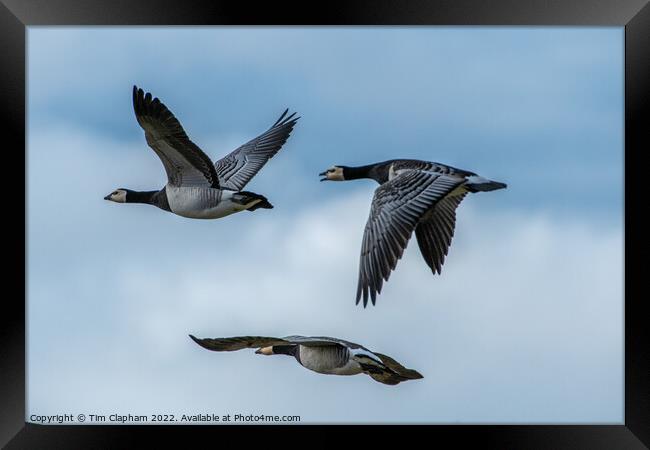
{"x": 320, "y": 354}
{"x": 196, "y": 187}
{"x": 413, "y": 196}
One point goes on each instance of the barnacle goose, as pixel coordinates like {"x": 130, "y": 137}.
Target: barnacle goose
{"x": 320, "y": 354}
{"x": 197, "y": 188}
{"x": 413, "y": 195}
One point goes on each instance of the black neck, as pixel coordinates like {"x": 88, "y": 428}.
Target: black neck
{"x": 355, "y": 173}
{"x": 285, "y": 350}
{"x": 140, "y": 196}
{"x": 377, "y": 172}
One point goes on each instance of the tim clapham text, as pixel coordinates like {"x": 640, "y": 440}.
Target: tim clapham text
{"x": 159, "y": 418}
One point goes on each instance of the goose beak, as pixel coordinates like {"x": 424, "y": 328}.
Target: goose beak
{"x": 108, "y": 197}
{"x": 323, "y": 174}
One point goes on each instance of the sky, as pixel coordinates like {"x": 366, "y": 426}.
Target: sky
{"x": 525, "y": 324}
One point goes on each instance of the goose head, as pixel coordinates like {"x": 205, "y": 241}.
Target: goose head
{"x": 334, "y": 173}
{"x": 265, "y": 350}
{"x": 117, "y": 196}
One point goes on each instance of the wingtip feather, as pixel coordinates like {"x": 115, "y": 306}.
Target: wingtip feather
{"x": 289, "y": 118}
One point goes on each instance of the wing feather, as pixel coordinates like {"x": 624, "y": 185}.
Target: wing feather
{"x": 398, "y": 368}
{"x": 236, "y": 169}
{"x": 435, "y": 234}
{"x": 397, "y": 207}
{"x": 185, "y": 163}
{"x": 241, "y": 342}
{"x": 237, "y": 343}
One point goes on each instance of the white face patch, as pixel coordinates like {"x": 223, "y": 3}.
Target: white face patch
{"x": 118, "y": 196}
{"x": 265, "y": 351}
{"x": 335, "y": 174}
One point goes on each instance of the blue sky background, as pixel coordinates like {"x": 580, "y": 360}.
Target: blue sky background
{"x": 524, "y": 325}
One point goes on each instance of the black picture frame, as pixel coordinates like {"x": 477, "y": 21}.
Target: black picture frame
{"x": 634, "y": 15}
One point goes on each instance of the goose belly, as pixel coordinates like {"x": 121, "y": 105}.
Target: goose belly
{"x": 322, "y": 361}
{"x": 350, "y": 368}
{"x": 201, "y": 203}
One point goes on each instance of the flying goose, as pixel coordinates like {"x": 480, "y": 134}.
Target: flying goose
{"x": 197, "y": 188}
{"x": 321, "y": 354}
{"x": 413, "y": 195}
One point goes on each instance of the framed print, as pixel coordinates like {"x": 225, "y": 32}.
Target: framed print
{"x": 418, "y": 215}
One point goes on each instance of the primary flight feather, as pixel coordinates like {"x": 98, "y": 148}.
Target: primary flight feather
{"x": 413, "y": 196}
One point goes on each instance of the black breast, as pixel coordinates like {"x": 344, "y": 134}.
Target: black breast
{"x": 159, "y": 199}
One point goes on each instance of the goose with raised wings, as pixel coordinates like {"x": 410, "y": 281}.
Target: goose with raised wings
{"x": 196, "y": 187}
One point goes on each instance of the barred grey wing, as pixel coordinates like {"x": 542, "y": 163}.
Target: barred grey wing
{"x": 236, "y": 169}
{"x": 185, "y": 163}
{"x": 397, "y": 207}
{"x": 238, "y": 343}
{"x": 435, "y": 234}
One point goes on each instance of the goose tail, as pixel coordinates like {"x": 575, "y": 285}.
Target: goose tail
{"x": 394, "y": 372}
{"x": 256, "y": 201}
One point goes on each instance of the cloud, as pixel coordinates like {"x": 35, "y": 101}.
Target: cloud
{"x": 508, "y": 103}
{"x": 475, "y": 80}
{"x": 524, "y": 325}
